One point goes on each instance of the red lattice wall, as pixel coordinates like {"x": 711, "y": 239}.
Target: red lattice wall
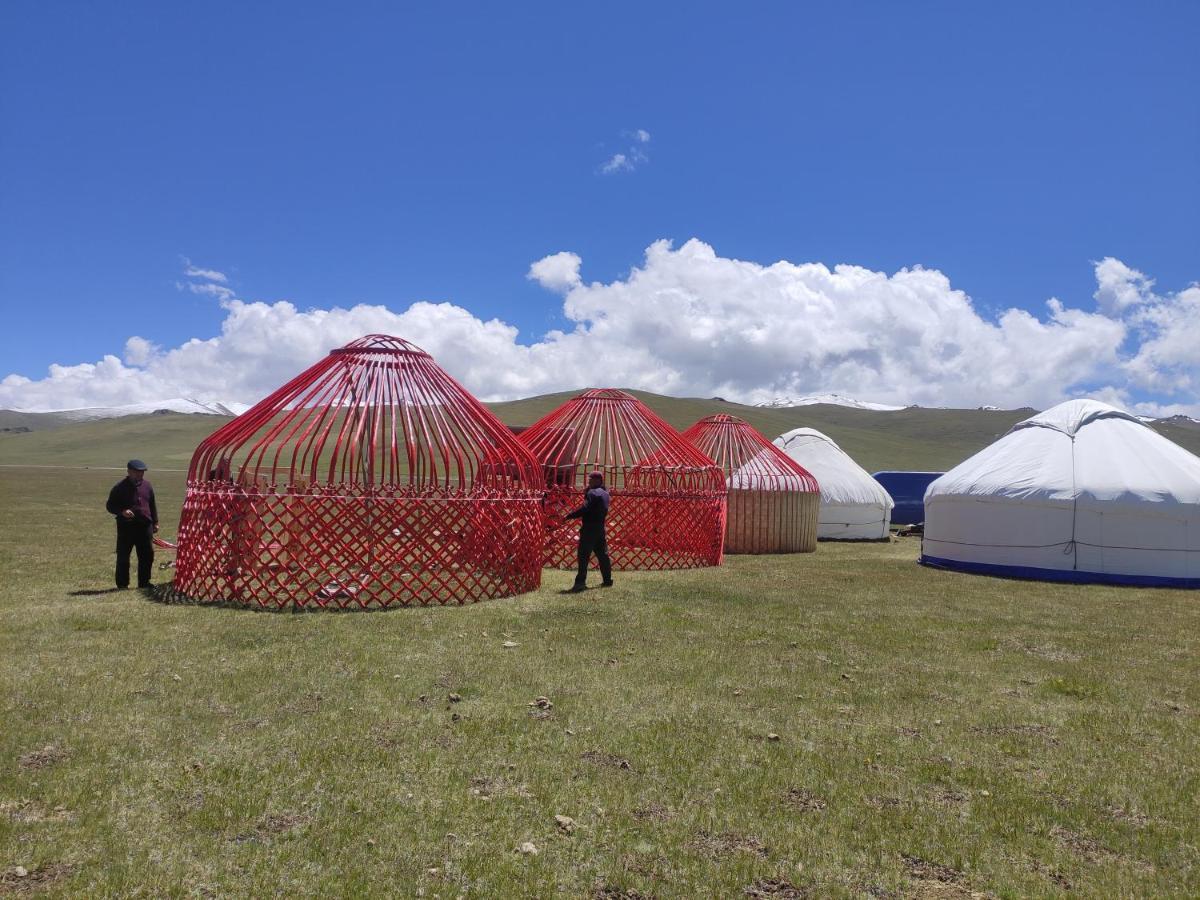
{"x": 371, "y": 479}
{"x": 668, "y": 499}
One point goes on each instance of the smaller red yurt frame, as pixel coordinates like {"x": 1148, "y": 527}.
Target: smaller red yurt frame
{"x": 668, "y": 498}
{"x": 773, "y": 502}
{"x": 373, "y": 478}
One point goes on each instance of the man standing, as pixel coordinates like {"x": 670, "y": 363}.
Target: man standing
{"x": 591, "y": 532}
{"x": 132, "y": 501}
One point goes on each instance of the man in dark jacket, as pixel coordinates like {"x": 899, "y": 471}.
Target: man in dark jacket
{"x": 591, "y": 532}
{"x": 132, "y": 501}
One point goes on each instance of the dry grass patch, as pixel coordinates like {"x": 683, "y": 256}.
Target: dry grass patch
{"x": 606, "y": 760}
{"x": 804, "y": 800}
{"x": 776, "y": 889}
{"x": 728, "y": 842}
{"x": 19, "y": 880}
{"x": 27, "y": 811}
{"x": 1082, "y": 845}
{"x": 652, "y": 812}
{"x": 43, "y": 758}
{"x": 935, "y": 880}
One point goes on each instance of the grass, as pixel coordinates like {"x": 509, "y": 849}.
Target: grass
{"x": 936, "y": 734}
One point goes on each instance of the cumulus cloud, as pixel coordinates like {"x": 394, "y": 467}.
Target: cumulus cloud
{"x": 557, "y": 272}
{"x": 1118, "y": 287}
{"x": 139, "y": 351}
{"x": 1167, "y": 359}
{"x": 688, "y": 321}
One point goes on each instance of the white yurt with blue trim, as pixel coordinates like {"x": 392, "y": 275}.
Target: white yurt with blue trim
{"x": 854, "y": 506}
{"x": 1082, "y": 492}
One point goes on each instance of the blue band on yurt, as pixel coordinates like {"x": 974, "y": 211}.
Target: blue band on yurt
{"x": 1061, "y": 575}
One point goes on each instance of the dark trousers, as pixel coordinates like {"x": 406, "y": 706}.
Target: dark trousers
{"x": 593, "y": 540}
{"x": 131, "y": 535}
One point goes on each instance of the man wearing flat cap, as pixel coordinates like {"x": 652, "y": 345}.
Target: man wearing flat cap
{"x": 591, "y": 532}
{"x": 132, "y": 501}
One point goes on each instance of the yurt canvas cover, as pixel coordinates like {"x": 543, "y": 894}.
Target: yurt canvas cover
{"x": 1082, "y": 492}
{"x": 854, "y": 507}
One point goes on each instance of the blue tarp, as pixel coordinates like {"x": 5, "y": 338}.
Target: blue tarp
{"x": 908, "y": 490}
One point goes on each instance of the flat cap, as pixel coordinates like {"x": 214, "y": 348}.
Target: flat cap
{"x": 136, "y": 464}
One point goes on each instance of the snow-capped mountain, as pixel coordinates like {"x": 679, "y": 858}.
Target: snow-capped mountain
{"x": 834, "y": 399}
{"x": 177, "y": 405}
{"x": 1181, "y": 420}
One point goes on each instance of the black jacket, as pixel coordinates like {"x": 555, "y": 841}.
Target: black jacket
{"x": 595, "y": 507}
{"x": 124, "y": 495}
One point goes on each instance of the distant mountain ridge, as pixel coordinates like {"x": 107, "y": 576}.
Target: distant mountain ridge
{"x": 914, "y": 438}
{"x": 188, "y": 405}
{"x": 831, "y": 399}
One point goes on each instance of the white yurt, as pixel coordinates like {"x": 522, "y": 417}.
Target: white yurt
{"x": 853, "y": 505}
{"x": 1082, "y": 492}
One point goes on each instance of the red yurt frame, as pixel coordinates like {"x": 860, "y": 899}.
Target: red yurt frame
{"x": 668, "y": 498}
{"x": 773, "y": 502}
{"x": 373, "y": 478}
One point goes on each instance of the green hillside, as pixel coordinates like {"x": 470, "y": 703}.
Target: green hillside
{"x": 916, "y": 438}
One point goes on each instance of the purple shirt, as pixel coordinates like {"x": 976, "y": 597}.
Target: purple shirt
{"x": 137, "y": 496}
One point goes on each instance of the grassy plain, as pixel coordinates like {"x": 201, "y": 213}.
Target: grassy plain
{"x": 937, "y": 735}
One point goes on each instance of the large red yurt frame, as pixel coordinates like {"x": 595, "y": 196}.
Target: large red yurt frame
{"x": 773, "y": 502}
{"x": 668, "y": 498}
{"x": 371, "y": 479}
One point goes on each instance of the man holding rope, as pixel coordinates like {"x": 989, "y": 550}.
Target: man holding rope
{"x": 132, "y": 501}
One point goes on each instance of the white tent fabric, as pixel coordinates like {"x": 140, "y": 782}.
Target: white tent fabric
{"x": 854, "y": 507}
{"x": 1081, "y": 492}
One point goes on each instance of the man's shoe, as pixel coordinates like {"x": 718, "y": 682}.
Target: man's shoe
{"x": 606, "y": 584}
{"x": 577, "y": 589}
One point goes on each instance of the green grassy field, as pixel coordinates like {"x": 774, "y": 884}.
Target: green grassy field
{"x": 844, "y": 723}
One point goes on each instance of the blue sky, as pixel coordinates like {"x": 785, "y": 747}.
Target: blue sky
{"x": 371, "y": 154}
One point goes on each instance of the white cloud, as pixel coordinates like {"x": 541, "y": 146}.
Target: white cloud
{"x": 1168, "y": 357}
{"x": 557, "y": 272}
{"x": 206, "y": 282}
{"x": 690, "y": 322}
{"x": 1120, "y": 287}
{"x": 207, "y": 274}
{"x": 209, "y": 289}
{"x": 619, "y": 162}
{"x": 633, "y": 157}
{"x": 139, "y": 351}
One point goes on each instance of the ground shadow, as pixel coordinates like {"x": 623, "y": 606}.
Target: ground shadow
{"x": 94, "y": 592}
{"x": 169, "y": 595}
